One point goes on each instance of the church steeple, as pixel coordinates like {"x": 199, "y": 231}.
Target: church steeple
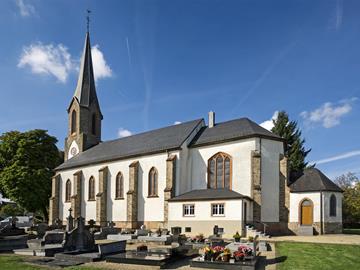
{"x": 85, "y": 91}
{"x": 84, "y": 110}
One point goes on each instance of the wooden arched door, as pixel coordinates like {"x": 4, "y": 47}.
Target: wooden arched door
{"x": 306, "y": 212}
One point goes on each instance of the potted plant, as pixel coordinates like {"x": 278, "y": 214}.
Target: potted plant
{"x": 247, "y": 251}
{"x": 238, "y": 256}
{"x": 225, "y": 255}
{"x": 217, "y": 252}
{"x": 200, "y": 238}
{"x": 208, "y": 253}
{"x": 251, "y": 239}
{"x": 237, "y": 236}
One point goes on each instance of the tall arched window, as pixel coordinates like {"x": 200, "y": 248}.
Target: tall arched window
{"x": 91, "y": 189}
{"x": 219, "y": 171}
{"x": 332, "y": 205}
{"x": 119, "y": 186}
{"x": 93, "y": 124}
{"x": 68, "y": 190}
{"x": 73, "y": 122}
{"x": 153, "y": 182}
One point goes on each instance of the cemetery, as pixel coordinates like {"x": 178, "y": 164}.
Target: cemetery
{"x": 78, "y": 243}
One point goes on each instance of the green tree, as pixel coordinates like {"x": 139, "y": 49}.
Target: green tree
{"x": 295, "y": 149}
{"x": 27, "y": 160}
{"x": 9, "y": 210}
{"x": 350, "y": 183}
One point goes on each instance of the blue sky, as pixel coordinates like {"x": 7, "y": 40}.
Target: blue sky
{"x": 158, "y": 62}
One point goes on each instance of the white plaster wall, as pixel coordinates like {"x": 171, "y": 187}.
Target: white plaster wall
{"x": 326, "y": 200}
{"x": 270, "y": 153}
{"x": 184, "y": 180}
{"x": 233, "y": 210}
{"x": 240, "y": 151}
{"x": 149, "y": 209}
{"x": 296, "y": 198}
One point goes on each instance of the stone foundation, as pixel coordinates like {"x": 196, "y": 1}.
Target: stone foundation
{"x": 329, "y": 227}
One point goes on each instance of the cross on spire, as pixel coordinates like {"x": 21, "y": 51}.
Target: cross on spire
{"x": 88, "y": 11}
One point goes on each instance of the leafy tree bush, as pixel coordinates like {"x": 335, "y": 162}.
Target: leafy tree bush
{"x": 350, "y": 183}
{"x": 27, "y": 160}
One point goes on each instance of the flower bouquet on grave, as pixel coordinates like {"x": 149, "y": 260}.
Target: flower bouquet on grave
{"x": 217, "y": 252}
{"x": 208, "y": 253}
{"x": 238, "y": 256}
{"x": 225, "y": 255}
{"x": 247, "y": 251}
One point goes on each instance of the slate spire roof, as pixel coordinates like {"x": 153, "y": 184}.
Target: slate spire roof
{"x": 313, "y": 179}
{"x": 85, "y": 91}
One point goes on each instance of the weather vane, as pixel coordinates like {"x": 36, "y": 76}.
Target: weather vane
{"x": 88, "y": 19}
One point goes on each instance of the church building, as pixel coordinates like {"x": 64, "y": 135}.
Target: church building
{"x": 193, "y": 175}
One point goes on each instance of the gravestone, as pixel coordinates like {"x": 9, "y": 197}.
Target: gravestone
{"x": 11, "y": 229}
{"x": 105, "y": 231}
{"x": 70, "y": 222}
{"x": 80, "y": 238}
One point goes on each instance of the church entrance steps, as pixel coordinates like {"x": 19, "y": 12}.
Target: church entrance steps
{"x": 251, "y": 231}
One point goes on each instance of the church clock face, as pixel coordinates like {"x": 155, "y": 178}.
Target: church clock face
{"x": 73, "y": 150}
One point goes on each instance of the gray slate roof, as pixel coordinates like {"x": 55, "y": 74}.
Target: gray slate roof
{"x": 208, "y": 194}
{"x": 154, "y": 141}
{"x": 232, "y": 130}
{"x": 313, "y": 179}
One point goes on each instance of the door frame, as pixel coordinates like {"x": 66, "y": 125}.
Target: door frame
{"x": 300, "y": 211}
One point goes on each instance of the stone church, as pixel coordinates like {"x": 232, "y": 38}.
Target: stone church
{"x": 192, "y": 175}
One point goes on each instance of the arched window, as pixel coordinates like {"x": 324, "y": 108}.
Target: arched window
{"x": 73, "y": 122}
{"x": 153, "y": 182}
{"x": 68, "y": 190}
{"x": 91, "y": 189}
{"x": 93, "y": 124}
{"x": 332, "y": 205}
{"x": 219, "y": 171}
{"x": 119, "y": 186}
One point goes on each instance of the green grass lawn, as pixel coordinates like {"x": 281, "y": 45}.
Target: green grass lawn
{"x": 351, "y": 231}
{"x": 13, "y": 262}
{"x": 317, "y": 256}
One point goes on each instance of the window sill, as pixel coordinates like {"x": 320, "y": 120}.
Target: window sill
{"x": 91, "y": 200}
{"x": 68, "y": 201}
{"x": 218, "y": 215}
{"x": 189, "y": 216}
{"x": 153, "y": 196}
{"x": 119, "y": 198}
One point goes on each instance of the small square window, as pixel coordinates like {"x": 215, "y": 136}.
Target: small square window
{"x": 188, "y": 210}
{"x": 187, "y": 229}
{"x": 218, "y": 210}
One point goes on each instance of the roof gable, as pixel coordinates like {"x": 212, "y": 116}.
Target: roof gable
{"x": 313, "y": 179}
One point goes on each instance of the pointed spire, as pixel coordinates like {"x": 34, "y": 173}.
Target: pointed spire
{"x": 85, "y": 91}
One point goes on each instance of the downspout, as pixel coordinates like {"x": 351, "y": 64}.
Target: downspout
{"x": 321, "y": 214}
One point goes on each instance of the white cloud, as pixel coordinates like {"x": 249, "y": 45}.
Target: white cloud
{"x": 124, "y": 133}
{"x": 338, "y": 157}
{"x": 268, "y": 124}
{"x": 25, "y": 9}
{"x": 101, "y": 68}
{"x": 177, "y": 122}
{"x": 55, "y": 60}
{"x": 47, "y": 59}
{"x": 328, "y": 114}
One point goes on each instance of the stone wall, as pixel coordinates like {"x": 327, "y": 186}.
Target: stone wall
{"x": 54, "y": 199}
{"x": 256, "y": 185}
{"x": 284, "y": 190}
{"x": 76, "y": 198}
{"x": 169, "y": 191}
{"x": 101, "y": 197}
{"x": 132, "y": 196}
